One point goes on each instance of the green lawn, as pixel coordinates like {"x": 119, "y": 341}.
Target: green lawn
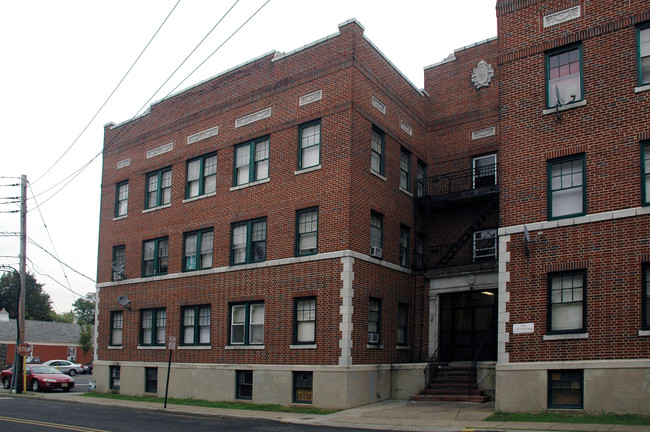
{"x": 567, "y": 417}
{"x": 221, "y": 404}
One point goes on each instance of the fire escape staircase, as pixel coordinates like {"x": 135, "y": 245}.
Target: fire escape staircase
{"x": 449, "y": 254}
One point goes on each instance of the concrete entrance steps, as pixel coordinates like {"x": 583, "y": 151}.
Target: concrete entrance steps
{"x": 454, "y": 382}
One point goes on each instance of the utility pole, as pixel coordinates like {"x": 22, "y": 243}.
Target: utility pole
{"x": 18, "y": 363}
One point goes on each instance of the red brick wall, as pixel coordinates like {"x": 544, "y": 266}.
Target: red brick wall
{"x": 607, "y": 131}
{"x": 349, "y": 71}
{"x": 50, "y": 352}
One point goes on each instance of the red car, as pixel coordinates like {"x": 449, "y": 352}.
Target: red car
{"x": 40, "y": 377}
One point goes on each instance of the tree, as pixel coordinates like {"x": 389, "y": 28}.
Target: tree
{"x": 63, "y": 317}
{"x": 84, "y": 309}
{"x": 38, "y": 305}
{"x": 86, "y": 338}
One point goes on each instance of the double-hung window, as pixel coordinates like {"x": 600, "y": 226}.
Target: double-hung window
{"x": 153, "y": 323}
{"x": 244, "y": 384}
{"x": 564, "y": 76}
{"x": 643, "y": 43}
{"x": 405, "y": 170}
{"x": 377, "y": 152}
{"x": 485, "y": 170}
{"x": 309, "y": 154}
{"x": 645, "y": 301}
{"x": 376, "y": 234}
{"x": 196, "y": 325}
{"x": 566, "y": 187}
{"x": 159, "y": 188}
{"x": 307, "y": 232}
{"x": 252, "y": 161}
{"x": 421, "y": 179}
{"x": 201, "y": 176}
{"x": 374, "y": 321}
{"x": 305, "y": 324}
{"x": 198, "y": 250}
{"x": 402, "y": 323}
{"x": 155, "y": 257}
{"x": 247, "y": 323}
{"x": 118, "y": 263}
{"x": 248, "y": 242}
{"x": 645, "y": 172}
{"x": 117, "y": 324}
{"x": 121, "y": 199}
{"x": 404, "y": 245}
{"x": 420, "y": 248}
{"x": 567, "y": 304}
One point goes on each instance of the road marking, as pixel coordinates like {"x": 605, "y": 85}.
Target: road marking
{"x": 50, "y": 425}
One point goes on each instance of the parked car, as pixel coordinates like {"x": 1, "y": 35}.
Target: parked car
{"x": 40, "y": 377}
{"x": 65, "y": 366}
{"x": 88, "y": 368}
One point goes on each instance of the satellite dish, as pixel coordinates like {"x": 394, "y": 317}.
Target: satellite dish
{"x": 117, "y": 267}
{"x": 124, "y": 301}
{"x": 526, "y": 234}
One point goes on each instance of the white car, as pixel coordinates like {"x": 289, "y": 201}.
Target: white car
{"x": 65, "y": 366}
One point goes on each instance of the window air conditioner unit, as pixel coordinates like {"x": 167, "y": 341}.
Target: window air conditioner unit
{"x": 375, "y": 252}
{"x": 373, "y": 338}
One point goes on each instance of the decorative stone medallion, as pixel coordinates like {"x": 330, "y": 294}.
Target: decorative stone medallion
{"x": 482, "y": 75}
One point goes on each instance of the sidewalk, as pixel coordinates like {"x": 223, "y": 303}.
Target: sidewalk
{"x": 397, "y": 415}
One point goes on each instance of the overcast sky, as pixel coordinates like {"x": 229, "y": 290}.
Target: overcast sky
{"x": 62, "y": 59}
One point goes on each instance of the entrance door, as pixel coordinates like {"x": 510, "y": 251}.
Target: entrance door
{"x": 467, "y": 320}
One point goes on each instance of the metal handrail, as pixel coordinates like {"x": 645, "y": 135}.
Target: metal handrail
{"x": 430, "y": 369}
{"x": 460, "y": 181}
{"x": 471, "y": 367}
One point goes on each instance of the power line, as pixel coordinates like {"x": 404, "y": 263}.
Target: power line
{"x": 109, "y": 96}
{"x": 134, "y": 123}
{"x": 61, "y": 262}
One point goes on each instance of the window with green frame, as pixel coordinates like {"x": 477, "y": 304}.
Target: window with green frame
{"x": 305, "y": 320}
{"x": 405, "y": 170}
{"x": 377, "y": 151}
{"x": 151, "y": 380}
{"x": 307, "y": 231}
{"x": 248, "y": 242}
{"x": 421, "y": 179}
{"x": 121, "y": 199}
{"x": 567, "y": 195}
{"x": 201, "y": 176}
{"x": 376, "y": 230}
{"x": 114, "y": 376}
{"x": 309, "y": 154}
{"x": 645, "y": 172}
{"x": 195, "y": 325}
{"x": 198, "y": 250}
{"x": 404, "y": 245}
{"x": 374, "y": 321}
{"x": 153, "y": 324}
{"x": 118, "y": 264}
{"x": 402, "y": 323}
{"x": 565, "y": 389}
{"x": 564, "y": 76}
{"x": 159, "y": 188}
{"x": 567, "y": 302}
{"x": 643, "y": 44}
{"x": 117, "y": 325}
{"x": 252, "y": 161}
{"x": 247, "y": 323}
{"x": 645, "y": 301}
{"x": 155, "y": 257}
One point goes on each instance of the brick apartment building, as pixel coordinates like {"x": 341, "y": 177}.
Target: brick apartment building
{"x": 309, "y": 227}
